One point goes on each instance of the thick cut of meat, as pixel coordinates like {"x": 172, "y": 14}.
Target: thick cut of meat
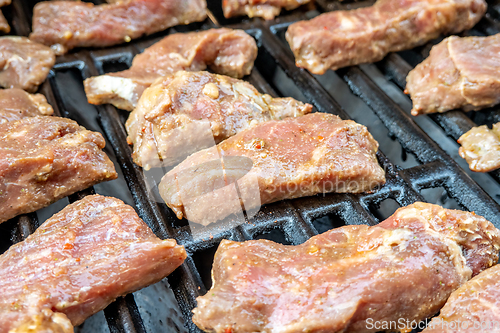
{"x": 348, "y": 278}
{"x": 459, "y": 73}
{"x": 272, "y": 161}
{"x": 64, "y": 25}
{"x": 481, "y": 148}
{"x": 43, "y": 159}
{"x": 24, "y": 64}
{"x": 267, "y": 9}
{"x": 474, "y": 307}
{"x": 45, "y": 322}
{"x": 16, "y": 104}
{"x": 226, "y": 51}
{"x": 80, "y": 260}
{"x": 172, "y": 115}
{"x": 343, "y": 38}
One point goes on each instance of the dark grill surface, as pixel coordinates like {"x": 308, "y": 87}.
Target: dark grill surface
{"x": 417, "y": 167}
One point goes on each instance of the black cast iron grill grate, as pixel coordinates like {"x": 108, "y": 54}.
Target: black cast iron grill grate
{"x": 288, "y": 222}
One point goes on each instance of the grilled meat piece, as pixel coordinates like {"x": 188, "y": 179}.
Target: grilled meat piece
{"x": 226, "y": 51}
{"x": 43, "y": 159}
{"x": 343, "y": 38}
{"x": 286, "y": 159}
{"x": 24, "y": 64}
{"x": 45, "y": 322}
{"x": 405, "y": 267}
{"x": 80, "y": 260}
{"x": 64, "y": 25}
{"x": 16, "y": 104}
{"x": 481, "y": 148}
{"x": 459, "y": 73}
{"x": 172, "y": 115}
{"x": 267, "y": 9}
{"x": 474, "y": 306}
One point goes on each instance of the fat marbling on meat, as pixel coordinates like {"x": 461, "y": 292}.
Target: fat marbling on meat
{"x": 43, "y": 159}
{"x": 24, "y": 64}
{"x": 272, "y": 161}
{"x": 225, "y": 51}
{"x": 472, "y": 308}
{"x": 16, "y": 104}
{"x": 348, "y": 278}
{"x": 64, "y": 25}
{"x": 46, "y": 321}
{"x": 267, "y": 9}
{"x": 344, "y": 38}
{"x": 80, "y": 260}
{"x": 460, "y": 73}
{"x": 189, "y": 111}
{"x": 480, "y": 147}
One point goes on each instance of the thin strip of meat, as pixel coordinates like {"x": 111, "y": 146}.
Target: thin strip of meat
{"x": 474, "y": 307}
{"x": 349, "y": 278}
{"x": 459, "y": 73}
{"x": 16, "y": 104}
{"x": 272, "y": 161}
{"x": 344, "y": 38}
{"x": 43, "y": 159}
{"x": 80, "y": 260}
{"x": 24, "y": 64}
{"x": 225, "y": 51}
{"x": 481, "y": 148}
{"x": 267, "y": 9}
{"x": 64, "y": 25}
{"x": 4, "y": 25}
{"x": 174, "y": 113}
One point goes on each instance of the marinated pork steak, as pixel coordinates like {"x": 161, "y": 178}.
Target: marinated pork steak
{"x": 16, "y": 104}
{"x": 348, "y": 278}
{"x": 344, "y": 38}
{"x": 225, "y": 51}
{"x": 474, "y": 307}
{"x": 267, "y": 9}
{"x": 481, "y": 148}
{"x": 459, "y": 73}
{"x": 80, "y": 260}
{"x": 64, "y": 25}
{"x": 45, "y": 322}
{"x": 43, "y": 159}
{"x": 174, "y": 113}
{"x": 272, "y": 161}
{"x": 24, "y": 64}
